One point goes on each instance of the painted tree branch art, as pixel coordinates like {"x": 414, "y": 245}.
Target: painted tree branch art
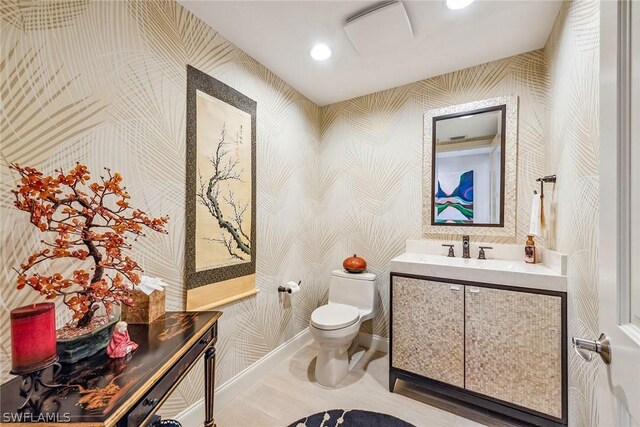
{"x": 90, "y": 221}
{"x": 226, "y": 169}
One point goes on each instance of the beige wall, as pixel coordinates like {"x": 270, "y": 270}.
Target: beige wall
{"x": 372, "y": 152}
{"x": 372, "y": 161}
{"x": 571, "y": 151}
{"x": 104, "y": 83}
{"x": 331, "y": 182}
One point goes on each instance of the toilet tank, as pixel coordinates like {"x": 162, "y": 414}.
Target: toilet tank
{"x": 356, "y": 289}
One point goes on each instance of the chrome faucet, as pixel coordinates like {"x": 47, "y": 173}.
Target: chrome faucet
{"x": 465, "y": 247}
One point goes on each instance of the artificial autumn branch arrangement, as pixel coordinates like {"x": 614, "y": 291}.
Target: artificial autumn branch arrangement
{"x": 88, "y": 221}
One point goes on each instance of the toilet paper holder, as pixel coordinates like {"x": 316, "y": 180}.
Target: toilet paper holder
{"x": 287, "y": 289}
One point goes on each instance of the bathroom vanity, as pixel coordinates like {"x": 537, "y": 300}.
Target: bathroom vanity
{"x": 487, "y": 333}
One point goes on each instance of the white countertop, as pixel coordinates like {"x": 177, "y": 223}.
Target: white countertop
{"x": 507, "y": 272}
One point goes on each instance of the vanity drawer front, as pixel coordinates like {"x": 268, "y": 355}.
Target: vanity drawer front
{"x": 428, "y": 329}
{"x": 514, "y": 347}
{"x": 150, "y": 403}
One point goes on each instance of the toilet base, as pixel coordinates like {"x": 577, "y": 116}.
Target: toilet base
{"x": 335, "y": 349}
{"x": 333, "y": 366}
{"x": 356, "y": 356}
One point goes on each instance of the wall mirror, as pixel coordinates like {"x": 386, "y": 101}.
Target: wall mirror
{"x": 470, "y": 168}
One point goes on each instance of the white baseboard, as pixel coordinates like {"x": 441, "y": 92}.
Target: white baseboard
{"x": 225, "y": 393}
{"x": 374, "y": 342}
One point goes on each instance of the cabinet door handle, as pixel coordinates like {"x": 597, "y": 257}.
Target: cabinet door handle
{"x": 454, "y": 287}
{"x": 473, "y": 290}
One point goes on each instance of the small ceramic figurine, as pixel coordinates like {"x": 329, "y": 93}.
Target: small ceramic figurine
{"x": 120, "y": 344}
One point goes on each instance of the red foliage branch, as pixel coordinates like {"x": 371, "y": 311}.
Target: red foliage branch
{"x": 90, "y": 221}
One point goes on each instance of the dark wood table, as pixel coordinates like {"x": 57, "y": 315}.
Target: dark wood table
{"x": 126, "y": 392}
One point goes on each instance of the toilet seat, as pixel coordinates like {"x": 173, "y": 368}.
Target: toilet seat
{"x": 334, "y": 316}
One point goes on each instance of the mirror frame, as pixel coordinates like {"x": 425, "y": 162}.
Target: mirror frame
{"x": 507, "y": 225}
{"x": 434, "y": 143}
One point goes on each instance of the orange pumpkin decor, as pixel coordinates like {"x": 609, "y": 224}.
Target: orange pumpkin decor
{"x": 354, "y": 264}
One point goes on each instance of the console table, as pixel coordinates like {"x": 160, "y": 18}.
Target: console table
{"x": 103, "y": 392}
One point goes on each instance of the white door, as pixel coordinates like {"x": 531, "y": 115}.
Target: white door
{"x": 619, "y": 253}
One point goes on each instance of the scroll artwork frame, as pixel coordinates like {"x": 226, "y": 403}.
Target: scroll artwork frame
{"x": 223, "y": 110}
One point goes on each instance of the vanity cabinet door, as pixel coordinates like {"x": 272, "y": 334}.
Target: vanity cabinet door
{"x": 514, "y": 347}
{"x": 428, "y": 329}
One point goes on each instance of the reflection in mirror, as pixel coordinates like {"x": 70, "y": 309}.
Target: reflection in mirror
{"x": 468, "y": 168}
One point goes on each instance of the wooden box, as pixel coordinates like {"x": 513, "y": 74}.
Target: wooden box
{"x": 146, "y": 308}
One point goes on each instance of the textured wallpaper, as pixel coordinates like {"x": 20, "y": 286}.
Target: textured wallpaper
{"x": 331, "y": 182}
{"x": 104, "y": 83}
{"x": 372, "y": 161}
{"x": 372, "y": 149}
{"x": 571, "y": 151}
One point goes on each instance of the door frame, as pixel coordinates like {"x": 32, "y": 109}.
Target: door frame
{"x": 614, "y": 250}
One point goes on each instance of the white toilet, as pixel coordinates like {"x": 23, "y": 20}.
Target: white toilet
{"x": 335, "y": 326}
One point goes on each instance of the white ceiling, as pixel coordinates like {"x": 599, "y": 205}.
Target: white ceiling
{"x": 279, "y": 34}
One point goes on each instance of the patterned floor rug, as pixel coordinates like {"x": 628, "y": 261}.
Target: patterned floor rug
{"x": 350, "y": 418}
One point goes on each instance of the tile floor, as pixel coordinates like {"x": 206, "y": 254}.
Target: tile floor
{"x": 289, "y": 393}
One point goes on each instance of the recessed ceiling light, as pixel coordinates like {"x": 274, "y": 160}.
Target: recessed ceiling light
{"x": 457, "y": 4}
{"x": 320, "y": 52}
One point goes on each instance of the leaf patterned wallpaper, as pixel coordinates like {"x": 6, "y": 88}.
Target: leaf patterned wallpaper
{"x": 331, "y": 182}
{"x": 372, "y": 155}
{"x": 572, "y": 150}
{"x": 104, "y": 83}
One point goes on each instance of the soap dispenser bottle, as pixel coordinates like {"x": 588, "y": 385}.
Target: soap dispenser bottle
{"x": 530, "y": 250}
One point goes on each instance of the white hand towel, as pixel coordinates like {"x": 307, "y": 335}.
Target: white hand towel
{"x": 536, "y": 225}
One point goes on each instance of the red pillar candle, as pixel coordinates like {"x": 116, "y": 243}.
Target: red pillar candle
{"x": 33, "y": 337}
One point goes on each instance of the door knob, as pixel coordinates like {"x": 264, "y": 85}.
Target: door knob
{"x": 601, "y": 346}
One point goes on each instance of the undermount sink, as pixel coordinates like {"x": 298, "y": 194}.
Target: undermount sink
{"x": 492, "y": 264}
{"x": 550, "y": 275}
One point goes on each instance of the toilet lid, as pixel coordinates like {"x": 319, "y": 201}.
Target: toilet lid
{"x": 334, "y": 316}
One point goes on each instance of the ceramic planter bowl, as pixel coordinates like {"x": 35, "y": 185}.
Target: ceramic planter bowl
{"x": 73, "y": 349}
{"x": 354, "y": 264}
